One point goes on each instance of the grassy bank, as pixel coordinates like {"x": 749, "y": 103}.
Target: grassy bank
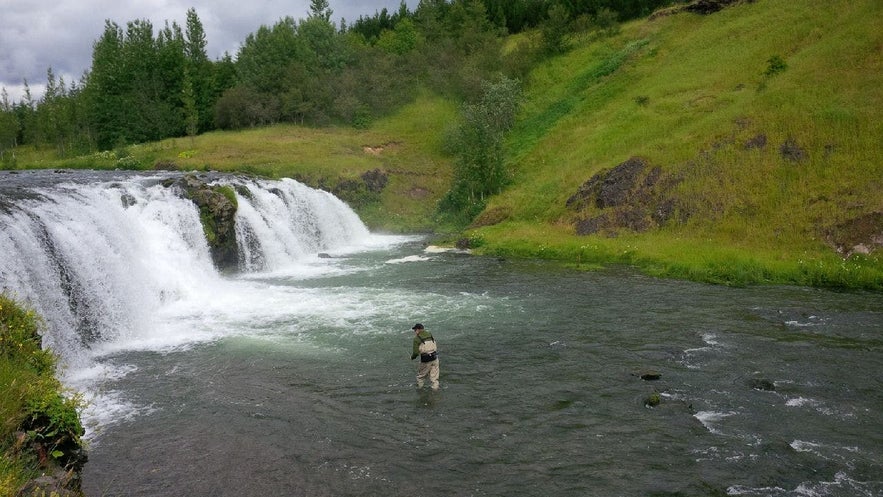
{"x": 764, "y": 121}
{"x": 39, "y": 425}
{"x": 766, "y": 115}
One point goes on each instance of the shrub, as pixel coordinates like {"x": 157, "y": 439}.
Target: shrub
{"x": 480, "y": 169}
{"x": 32, "y": 402}
{"x": 775, "y": 65}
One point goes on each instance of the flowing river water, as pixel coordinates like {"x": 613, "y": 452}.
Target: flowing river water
{"x": 294, "y": 378}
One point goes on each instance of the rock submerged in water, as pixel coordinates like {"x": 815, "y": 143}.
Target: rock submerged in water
{"x": 762, "y": 384}
{"x": 648, "y": 375}
{"x": 652, "y": 400}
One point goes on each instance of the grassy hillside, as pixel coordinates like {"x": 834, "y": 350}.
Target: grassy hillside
{"x": 765, "y": 118}
{"x": 758, "y": 128}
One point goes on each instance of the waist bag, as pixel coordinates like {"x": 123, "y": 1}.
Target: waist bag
{"x": 428, "y": 357}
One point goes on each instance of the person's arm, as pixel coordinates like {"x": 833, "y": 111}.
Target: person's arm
{"x": 415, "y": 350}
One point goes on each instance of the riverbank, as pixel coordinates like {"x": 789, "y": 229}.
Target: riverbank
{"x": 40, "y": 428}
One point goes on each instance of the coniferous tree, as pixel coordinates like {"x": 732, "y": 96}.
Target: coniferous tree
{"x": 9, "y": 130}
{"x": 107, "y": 87}
{"x": 198, "y": 70}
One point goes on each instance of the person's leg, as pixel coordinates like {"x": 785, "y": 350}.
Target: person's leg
{"x": 422, "y": 371}
{"x": 433, "y": 374}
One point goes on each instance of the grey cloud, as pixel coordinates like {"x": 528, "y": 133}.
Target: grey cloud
{"x": 38, "y": 34}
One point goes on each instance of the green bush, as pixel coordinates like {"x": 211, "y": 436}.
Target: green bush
{"x": 775, "y": 65}
{"x": 480, "y": 169}
{"x": 32, "y": 402}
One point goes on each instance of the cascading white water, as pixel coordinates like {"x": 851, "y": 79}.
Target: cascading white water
{"x": 278, "y": 222}
{"x": 102, "y": 261}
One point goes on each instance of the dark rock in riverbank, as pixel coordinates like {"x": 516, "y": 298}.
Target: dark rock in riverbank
{"x": 861, "y": 235}
{"x": 633, "y": 195}
{"x": 58, "y": 483}
{"x": 364, "y": 191}
{"x": 706, "y": 7}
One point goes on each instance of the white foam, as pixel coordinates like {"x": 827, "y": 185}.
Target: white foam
{"x": 410, "y": 258}
{"x": 765, "y": 491}
{"x": 710, "y": 418}
{"x": 800, "y": 402}
{"x": 435, "y": 249}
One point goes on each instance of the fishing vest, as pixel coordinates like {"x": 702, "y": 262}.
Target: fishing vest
{"x": 428, "y": 350}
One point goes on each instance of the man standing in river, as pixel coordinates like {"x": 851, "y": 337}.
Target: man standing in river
{"x": 425, "y": 347}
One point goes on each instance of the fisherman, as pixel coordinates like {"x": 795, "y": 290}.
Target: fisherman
{"x": 425, "y": 347}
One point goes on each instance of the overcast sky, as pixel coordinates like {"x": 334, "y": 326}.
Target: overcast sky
{"x": 38, "y": 34}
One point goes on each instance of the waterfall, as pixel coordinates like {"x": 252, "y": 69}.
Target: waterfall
{"x": 100, "y": 255}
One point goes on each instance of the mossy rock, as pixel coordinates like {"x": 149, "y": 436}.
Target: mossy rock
{"x": 217, "y": 206}
{"x": 653, "y": 400}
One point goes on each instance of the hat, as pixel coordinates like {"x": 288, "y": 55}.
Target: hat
{"x": 417, "y": 326}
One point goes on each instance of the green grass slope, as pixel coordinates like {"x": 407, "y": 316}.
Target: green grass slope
{"x": 765, "y": 118}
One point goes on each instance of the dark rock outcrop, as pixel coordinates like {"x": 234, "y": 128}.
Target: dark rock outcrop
{"x": 217, "y": 210}
{"x": 375, "y": 180}
{"x": 861, "y": 235}
{"x": 792, "y": 151}
{"x": 706, "y": 7}
{"x": 363, "y": 191}
{"x": 650, "y": 375}
{"x": 632, "y": 195}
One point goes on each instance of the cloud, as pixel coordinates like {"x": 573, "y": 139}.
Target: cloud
{"x": 38, "y": 34}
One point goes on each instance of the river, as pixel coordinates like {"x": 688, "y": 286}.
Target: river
{"x": 295, "y": 379}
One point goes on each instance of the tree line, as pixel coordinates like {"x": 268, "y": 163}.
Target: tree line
{"x": 147, "y": 84}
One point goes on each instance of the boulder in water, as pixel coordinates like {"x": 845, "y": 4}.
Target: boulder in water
{"x": 762, "y": 384}
{"x": 650, "y": 375}
{"x": 217, "y": 210}
{"x": 652, "y": 400}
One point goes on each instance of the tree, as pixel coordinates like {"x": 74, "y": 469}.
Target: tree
{"x": 198, "y": 73}
{"x": 319, "y": 9}
{"x": 191, "y": 113}
{"x": 107, "y": 88}
{"x": 262, "y": 61}
{"x": 555, "y": 30}
{"x": 9, "y": 128}
{"x": 401, "y": 40}
{"x": 480, "y": 169}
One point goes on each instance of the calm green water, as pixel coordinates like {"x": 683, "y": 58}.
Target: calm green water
{"x": 306, "y": 388}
